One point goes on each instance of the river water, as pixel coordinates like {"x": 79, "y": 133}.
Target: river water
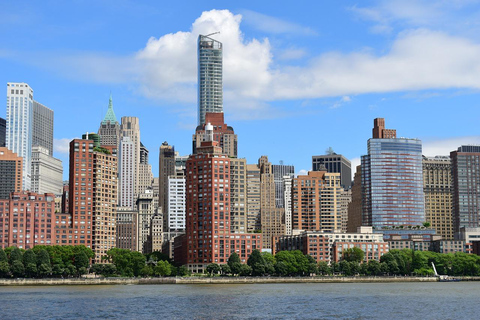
{"x": 458, "y": 300}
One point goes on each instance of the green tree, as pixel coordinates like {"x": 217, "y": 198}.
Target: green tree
{"x": 182, "y": 271}
{"x": 212, "y": 269}
{"x": 163, "y": 268}
{"x": 97, "y": 268}
{"x": 245, "y": 270}
{"x": 269, "y": 263}
{"x": 16, "y": 254}
{"x": 147, "y": 271}
{"x": 257, "y": 263}
{"x": 109, "y": 270}
{"x": 353, "y": 254}
{"x": 281, "y": 268}
{"x": 374, "y": 268}
{"x": 30, "y": 263}
{"x": 3, "y": 256}
{"x": 323, "y": 268}
{"x": 225, "y": 269}
{"x": 4, "y": 269}
{"x": 81, "y": 260}
{"x": 43, "y": 263}
{"x": 17, "y": 269}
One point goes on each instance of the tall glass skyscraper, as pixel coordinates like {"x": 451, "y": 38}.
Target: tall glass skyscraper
{"x": 392, "y": 182}
{"x": 210, "y": 87}
{"x": 20, "y": 126}
{"x": 466, "y": 187}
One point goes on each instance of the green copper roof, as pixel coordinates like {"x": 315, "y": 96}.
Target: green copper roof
{"x": 110, "y": 116}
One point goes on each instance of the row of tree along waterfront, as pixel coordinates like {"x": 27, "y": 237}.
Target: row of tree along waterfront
{"x": 73, "y": 261}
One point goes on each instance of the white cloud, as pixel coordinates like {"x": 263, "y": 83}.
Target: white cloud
{"x": 166, "y": 67}
{"x": 274, "y": 25}
{"x": 292, "y": 54}
{"x": 302, "y": 172}
{"x": 62, "y": 146}
{"x": 443, "y": 147}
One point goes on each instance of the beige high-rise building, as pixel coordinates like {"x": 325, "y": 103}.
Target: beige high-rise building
{"x": 253, "y": 198}
{"x": 104, "y": 202}
{"x": 238, "y": 196}
{"x": 316, "y": 202}
{"x": 156, "y": 231}
{"x": 287, "y": 195}
{"x": 437, "y": 187}
{"x": 11, "y": 166}
{"x": 355, "y": 206}
{"x": 272, "y": 219}
{"x": 344, "y": 199}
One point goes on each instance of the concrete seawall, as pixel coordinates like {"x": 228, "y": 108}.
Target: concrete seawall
{"x": 214, "y": 280}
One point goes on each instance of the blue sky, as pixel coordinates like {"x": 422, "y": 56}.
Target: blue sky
{"x": 299, "y": 77}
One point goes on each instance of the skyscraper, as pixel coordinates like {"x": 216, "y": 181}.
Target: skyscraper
{"x": 279, "y": 173}
{"x": 437, "y": 186}
{"x": 208, "y": 237}
{"x": 93, "y": 196}
{"x": 466, "y": 186}
{"x": 19, "y": 126}
{"x": 109, "y": 130}
{"x": 210, "y": 87}
{"x": 392, "y": 180}
{"x": 130, "y": 127}
{"x": 126, "y": 166}
{"x": 166, "y": 169}
{"x": 42, "y": 131}
{"x": 272, "y": 219}
{"x": 335, "y": 163}
{"x": 47, "y": 172}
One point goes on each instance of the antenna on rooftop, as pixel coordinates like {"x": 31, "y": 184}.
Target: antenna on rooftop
{"x": 211, "y": 34}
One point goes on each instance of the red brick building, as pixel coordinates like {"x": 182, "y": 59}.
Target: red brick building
{"x": 27, "y": 219}
{"x": 208, "y": 237}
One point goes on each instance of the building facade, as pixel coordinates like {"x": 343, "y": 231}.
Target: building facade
{"x": 27, "y": 219}
{"x": 392, "y": 181}
{"x": 19, "y": 126}
{"x": 279, "y": 173}
{"x": 210, "y": 77}
{"x": 11, "y": 166}
{"x": 316, "y": 202}
{"x": 109, "y": 130}
{"x": 47, "y": 172}
{"x": 437, "y": 187}
{"x": 42, "y": 130}
{"x": 126, "y": 169}
{"x": 466, "y": 187}
{"x": 222, "y": 133}
{"x": 335, "y": 163}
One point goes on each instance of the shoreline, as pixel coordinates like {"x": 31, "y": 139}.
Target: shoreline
{"x": 215, "y": 280}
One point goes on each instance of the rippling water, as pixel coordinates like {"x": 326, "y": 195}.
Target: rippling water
{"x": 245, "y": 301}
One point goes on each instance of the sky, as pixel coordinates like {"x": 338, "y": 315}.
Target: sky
{"x": 299, "y": 76}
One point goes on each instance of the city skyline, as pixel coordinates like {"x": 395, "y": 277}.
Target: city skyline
{"x": 411, "y": 66}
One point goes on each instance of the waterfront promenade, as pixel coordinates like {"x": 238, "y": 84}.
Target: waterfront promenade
{"x": 215, "y": 280}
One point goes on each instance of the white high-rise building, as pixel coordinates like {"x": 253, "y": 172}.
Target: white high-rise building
{"x": 210, "y": 87}
{"x": 176, "y": 204}
{"x": 126, "y": 169}
{"x": 19, "y": 126}
{"x": 130, "y": 127}
{"x": 287, "y": 200}
{"x": 47, "y": 172}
